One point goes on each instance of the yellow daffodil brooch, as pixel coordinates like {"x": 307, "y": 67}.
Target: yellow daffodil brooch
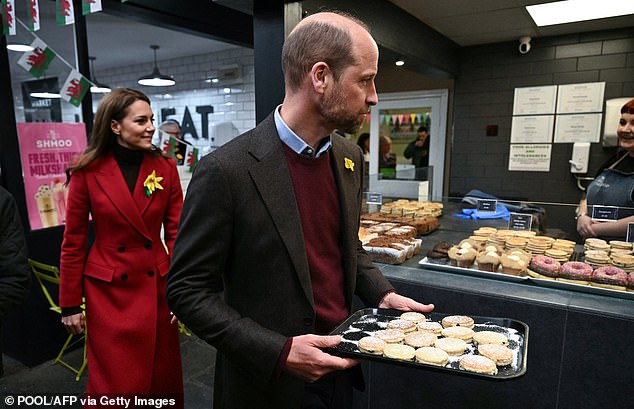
{"x": 152, "y": 183}
{"x": 348, "y": 163}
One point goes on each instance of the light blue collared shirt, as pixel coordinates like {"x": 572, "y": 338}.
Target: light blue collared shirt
{"x": 296, "y": 143}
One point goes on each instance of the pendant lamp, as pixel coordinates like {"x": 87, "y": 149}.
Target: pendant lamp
{"x": 156, "y": 79}
{"x": 97, "y": 87}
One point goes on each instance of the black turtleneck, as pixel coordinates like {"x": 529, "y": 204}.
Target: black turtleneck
{"x": 129, "y": 162}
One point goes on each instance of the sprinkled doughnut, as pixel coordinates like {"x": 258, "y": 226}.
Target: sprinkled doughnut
{"x": 576, "y": 269}
{"x": 545, "y": 265}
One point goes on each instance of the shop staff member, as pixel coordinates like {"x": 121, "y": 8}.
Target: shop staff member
{"x": 613, "y": 186}
{"x": 272, "y": 217}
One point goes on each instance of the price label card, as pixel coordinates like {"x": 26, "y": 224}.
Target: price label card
{"x": 630, "y": 233}
{"x": 486, "y": 205}
{"x": 375, "y": 198}
{"x": 605, "y": 213}
{"x": 520, "y": 221}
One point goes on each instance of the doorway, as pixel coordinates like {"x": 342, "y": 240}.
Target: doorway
{"x": 397, "y": 118}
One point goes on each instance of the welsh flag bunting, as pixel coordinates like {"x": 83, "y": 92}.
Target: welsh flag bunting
{"x": 64, "y": 12}
{"x": 191, "y": 157}
{"x": 37, "y": 61}
{"x": 75, "y": 88}
{"x": 90, "y": 6}
{"x": 8, "y": 17}
{"x": 33, "y": 14}
{"x": 169, "y": 146}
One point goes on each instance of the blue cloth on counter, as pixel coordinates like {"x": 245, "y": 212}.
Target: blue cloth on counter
{"x": 501, "y": 212}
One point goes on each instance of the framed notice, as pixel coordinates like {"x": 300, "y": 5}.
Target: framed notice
{"x": 532, "y": 129}
{"x": 46, "y": 149}
{"x": 535, "y": 100}
{"x": 530, "y": 158}
{"x": 578, "y": 128}
{"x": 574, "y": 98}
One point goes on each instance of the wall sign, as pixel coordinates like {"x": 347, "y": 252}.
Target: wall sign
{"x": 532, "y": 129}
{"x": 46, "y": 149}
{"x": 532, "y": 158}
{"x": 535, "y": 100}
{"x": 578, "y": 128}
{"x": 575, "y": 98}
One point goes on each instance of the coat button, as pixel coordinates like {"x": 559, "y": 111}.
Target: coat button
{"x": 124, "y": 276}
{"x": 148, "y": 246}
{"x": 308, "y": 322}
{"x": 121, "y": 249}
{"x": 150, "y": 273}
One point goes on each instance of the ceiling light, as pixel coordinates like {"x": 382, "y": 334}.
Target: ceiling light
{"x": 156, "y": 79}
{"x": 569, "y": 11}
{"x": 97, "y": 87}
{"x": 45, "y": 95}
{"x": 19, "y": 47}
{"x": 399, "y": 62}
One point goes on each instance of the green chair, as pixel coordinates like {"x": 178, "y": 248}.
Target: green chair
{"x": 48, "y": 276}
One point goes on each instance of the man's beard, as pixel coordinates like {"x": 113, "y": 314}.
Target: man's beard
{"x": 333, "y": 109}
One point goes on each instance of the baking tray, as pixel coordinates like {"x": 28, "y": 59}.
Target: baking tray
{"x": 366, "y": 321}
{"x": 445, "y": 266}
{"x": 562, "y": 285}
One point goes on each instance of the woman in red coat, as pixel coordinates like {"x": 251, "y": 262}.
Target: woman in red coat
{"x": 130, "y": 190}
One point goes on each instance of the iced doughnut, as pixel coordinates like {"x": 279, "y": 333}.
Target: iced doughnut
{"x": 575, "y": 272}
{"x": 544, "y": 267}
{"x": 609, "y": 277}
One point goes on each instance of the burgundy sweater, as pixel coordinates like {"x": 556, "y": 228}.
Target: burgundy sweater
{"x": 320, "y": 212}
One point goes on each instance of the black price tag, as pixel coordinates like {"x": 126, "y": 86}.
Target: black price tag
{"x": 630, "y": 233}
{"x": 520, "y": 221}
{"x": 605, "y": 213}
{"x": 486, "y": 205}
{"x": 375, "y": 198}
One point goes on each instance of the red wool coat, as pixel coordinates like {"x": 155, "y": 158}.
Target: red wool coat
{"x": 132, "y": 347}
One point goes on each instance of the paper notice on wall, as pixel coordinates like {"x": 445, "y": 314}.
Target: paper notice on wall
{"x": 530, "y": 157}
{"x": 532, "y": 129}
{"x": 46, "y": 150}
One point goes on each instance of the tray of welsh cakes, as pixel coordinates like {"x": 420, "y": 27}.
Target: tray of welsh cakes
{"x": 477, "y": 346}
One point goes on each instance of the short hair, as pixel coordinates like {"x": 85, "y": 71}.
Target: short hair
{"x": 170, "y": 122}
{"x": 422, "y": 129}
{"x": 384, "y": 139}
{"x": 317, "y": 41}
{"x": 628, "y": 108}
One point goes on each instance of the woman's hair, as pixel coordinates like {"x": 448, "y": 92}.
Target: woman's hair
{"x": 113, "y": 106}
{"x": 628, "y": 108}
{"x": 317, "y": 41}
{"x": 361, "y": 141}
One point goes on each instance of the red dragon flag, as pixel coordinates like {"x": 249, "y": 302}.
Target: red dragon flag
{"x": 191, "y": 157}
{"x": 64, "y": 12}
{"x": 33, "y": 14}
{"x": 8, "y": 17}
{"x": 90, "y": 6}
{"x": 75, "y": 88}
{"x": 37, "y": 61}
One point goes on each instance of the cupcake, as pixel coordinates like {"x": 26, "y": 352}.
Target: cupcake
{"x": 463, "y": 255}
{"x": 513, "y": 264}
{"x": 488, "y": 261}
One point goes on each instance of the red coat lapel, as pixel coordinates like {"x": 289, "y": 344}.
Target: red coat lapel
{"x": 110, "y": 179}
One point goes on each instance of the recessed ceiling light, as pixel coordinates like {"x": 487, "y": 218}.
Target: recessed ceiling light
{"x": 19, "y": 47}
{"x": 569, "y": 11}
{"x": 399, "y": 62}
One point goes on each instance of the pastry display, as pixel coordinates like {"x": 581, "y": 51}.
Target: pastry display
{"x": 399, "y": 351}
{"x": 490, "y": 337}
{"x": 452, "y": 346}
{"x": 463, "y": 255}
{"x": 488, "y": 260}
{"x": 402, "y": 325}
{"x": 390, "y": 336}
{"x": 420, "y": 339}
{"x": 440, "y": 251}
{"x": 513, "y": 264}
{"x": 413, "y": 316}
{"x": 463, "y": 333}
{"x": 430, "y": 326}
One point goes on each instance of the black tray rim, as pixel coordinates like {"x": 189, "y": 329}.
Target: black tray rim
{"x": 392, "y": 312}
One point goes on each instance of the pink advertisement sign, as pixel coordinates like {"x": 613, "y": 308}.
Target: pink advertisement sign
{"x": 46, "y": 149}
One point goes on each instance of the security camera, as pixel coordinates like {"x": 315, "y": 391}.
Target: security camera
{"x": 525, "y": 44}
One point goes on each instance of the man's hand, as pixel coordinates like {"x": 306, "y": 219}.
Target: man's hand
{"x": 308, "y": 362}
{"x": 398, "y": 302}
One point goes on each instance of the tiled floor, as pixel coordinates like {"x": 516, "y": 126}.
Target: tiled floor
{"x": 46, "y": 379}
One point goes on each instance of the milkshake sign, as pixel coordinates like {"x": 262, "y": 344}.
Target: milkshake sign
{"x": 46, "y": 150}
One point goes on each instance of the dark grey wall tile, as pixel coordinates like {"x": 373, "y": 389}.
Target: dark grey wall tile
{"x": 578, "y": 50}
{"x": 602, "y": 62}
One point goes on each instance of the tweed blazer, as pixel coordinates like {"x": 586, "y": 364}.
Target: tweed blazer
{"x": 239, "y": 276}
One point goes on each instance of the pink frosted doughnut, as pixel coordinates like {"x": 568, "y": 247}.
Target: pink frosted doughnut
{"x": 611, "y": 277}
{"x": 545, "y": 265}
{"x": 576, "y": 270}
